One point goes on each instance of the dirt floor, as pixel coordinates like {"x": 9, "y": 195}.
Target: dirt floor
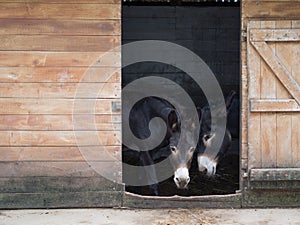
{"x": 145, "y": 217}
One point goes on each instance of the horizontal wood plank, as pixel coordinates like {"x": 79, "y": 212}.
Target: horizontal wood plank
{"x": 273, "y": 0}
{"x": 59, "y": 106}
{"x": 275, "y": 174}
{"x": 60, "y": 122}
{"x": 271, "y": 198}
{"x": 271, "y": 9}
{"x": 59, "y": 27}
{"x": 60, "y": 169}
{"x": 58, "y": 59}
{"x": 53, "y": 154}
{"x": 213, "y": 201}
{"x": 65, "y": 1}
{"x": 60, "y": 90}
{"x": 274, "y": 105}
{"x": 59, "y": 138}
{"x": 61, "y": 200}
{"x": 275, "y": 35}
{"x": 276, "y": 185}
{"x": 58, "y": 43}
{"x": 59, "y": 11}
{"x": 56, "y": 184}
{"x": 295, "y": 24}
{"x": 59, "y": 74}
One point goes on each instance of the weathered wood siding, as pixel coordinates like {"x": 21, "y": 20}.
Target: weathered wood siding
{"x": 271, "y": 93}
{"x": 48, "y": 48}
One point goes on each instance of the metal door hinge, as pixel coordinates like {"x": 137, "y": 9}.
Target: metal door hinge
{"x": 245, "y": 175}
{"x": 244, "y": 35}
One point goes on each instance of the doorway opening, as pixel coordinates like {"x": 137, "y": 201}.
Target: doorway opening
{"x": 211, "y": 29}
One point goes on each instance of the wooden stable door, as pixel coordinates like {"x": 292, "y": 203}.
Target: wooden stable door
{"x": 274, "y": 103}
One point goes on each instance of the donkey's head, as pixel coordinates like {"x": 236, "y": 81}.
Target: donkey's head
{"x": 181, "y": 156}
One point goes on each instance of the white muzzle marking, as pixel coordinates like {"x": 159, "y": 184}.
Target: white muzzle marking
{"x": 181, "y": 177}
{"x": 205, "y": 163}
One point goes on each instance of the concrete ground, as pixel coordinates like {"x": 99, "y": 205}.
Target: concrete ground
{"x": 145, "y": 217}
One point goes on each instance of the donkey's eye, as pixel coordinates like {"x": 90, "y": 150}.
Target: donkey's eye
{"x": 206, "y": 137}
{"x": 192, "y": 149}
{"x": 173, "y": 148}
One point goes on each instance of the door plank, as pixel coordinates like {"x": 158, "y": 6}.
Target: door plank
{"x": 263, "y": 35}
{"x": 268, "y": 121}
{"x": 254, "y": 125}
{"x": 296, "y": 117}
{"x": 274, "y": 105}
{"x": 284, "y": 120}
{"x": 296, "y": 139}
{"x": 284, "y": 140}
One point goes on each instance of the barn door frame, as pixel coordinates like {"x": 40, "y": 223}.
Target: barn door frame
{"x": 263, "y": 108}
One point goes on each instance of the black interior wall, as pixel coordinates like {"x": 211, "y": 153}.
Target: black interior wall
{"x": 212, "y": 32}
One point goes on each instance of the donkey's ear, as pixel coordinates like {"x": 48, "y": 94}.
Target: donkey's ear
{"x": 229, "y": 99}
{"x": 199, "y": 112}
{"x": 207, "y": 139}
{"x": 173, "y": 121}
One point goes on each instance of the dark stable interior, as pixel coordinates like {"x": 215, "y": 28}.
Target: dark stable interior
{"x": 211, "y": 31}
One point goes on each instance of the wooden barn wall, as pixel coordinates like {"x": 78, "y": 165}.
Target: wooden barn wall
{"x": 277, "y": 146}
{"x": 46, "y": 47}
{"x": 210, "y": 32}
